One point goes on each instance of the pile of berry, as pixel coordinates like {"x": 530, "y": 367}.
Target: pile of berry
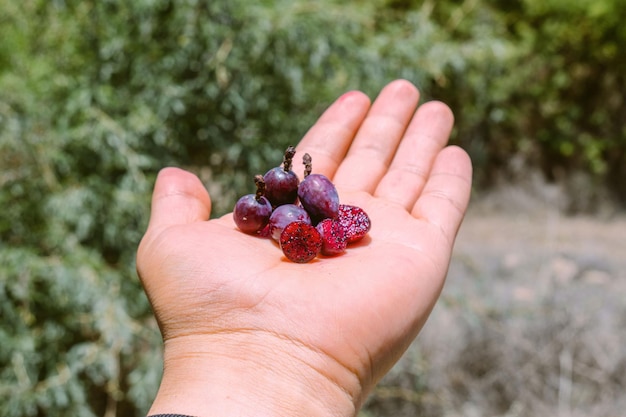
{"x": 304, "y": 217}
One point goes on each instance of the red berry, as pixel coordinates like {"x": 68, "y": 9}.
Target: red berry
{"x": 300, "y": 242}
{"x": 333, "y": 237}
{"x": 355, "y": 222}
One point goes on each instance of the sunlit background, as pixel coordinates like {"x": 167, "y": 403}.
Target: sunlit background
{"x": 97, "y": 95}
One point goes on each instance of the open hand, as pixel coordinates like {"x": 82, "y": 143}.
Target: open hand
{"x": 233, "y": 310}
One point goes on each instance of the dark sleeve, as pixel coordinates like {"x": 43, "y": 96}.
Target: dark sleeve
{"x": 169, "y": 415}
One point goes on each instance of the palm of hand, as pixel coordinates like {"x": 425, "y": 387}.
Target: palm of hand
{"x": 360, "y": 309}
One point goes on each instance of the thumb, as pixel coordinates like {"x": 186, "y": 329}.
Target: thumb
{"x": 178, "y": 198}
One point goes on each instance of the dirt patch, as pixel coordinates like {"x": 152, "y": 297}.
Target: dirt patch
{"x": 532, "y": 321}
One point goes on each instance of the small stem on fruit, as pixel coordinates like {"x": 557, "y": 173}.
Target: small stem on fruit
{"x": 260, "y": 186}
{"x": 288, "y": 158}
{"x": 306, "y": 160}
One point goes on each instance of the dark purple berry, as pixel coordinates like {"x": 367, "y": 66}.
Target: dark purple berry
{"x": 317, "y": 194}
{"x": 333, "y": 237}
{"x": 355, "y": 221}
{"x": 283, "y": 215}
{"x": 300, "y": 242}
{"x": 281, "y": 182}
{"x": 319, "y": 197}
{"x": 252, "y": 211}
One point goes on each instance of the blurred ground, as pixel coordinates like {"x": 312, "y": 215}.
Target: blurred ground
{"x": 532, "y": 320}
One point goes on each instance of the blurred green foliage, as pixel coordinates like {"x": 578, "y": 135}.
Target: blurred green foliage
{"x": 97, "y": 96}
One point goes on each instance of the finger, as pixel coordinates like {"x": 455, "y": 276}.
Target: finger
{"x": 329, "y": 139}
{"x": 446, "y": 194}
{"x": 179, "y": 198}
{"x": 374, "y": 145}
{"x": 427, "y": 134}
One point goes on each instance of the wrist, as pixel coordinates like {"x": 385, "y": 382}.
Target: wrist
{"x": 252, "y": 374}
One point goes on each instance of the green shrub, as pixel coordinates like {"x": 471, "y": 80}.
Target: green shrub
{"x": 558, "y": 101}
{"x": 97, "y": 96}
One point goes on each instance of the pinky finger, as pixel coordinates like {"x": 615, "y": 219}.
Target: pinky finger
{"x": 445, "y": 197}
